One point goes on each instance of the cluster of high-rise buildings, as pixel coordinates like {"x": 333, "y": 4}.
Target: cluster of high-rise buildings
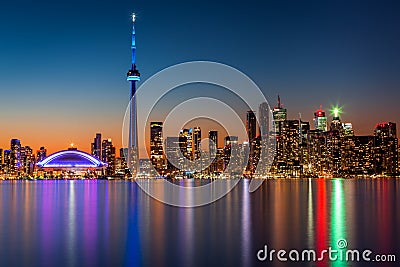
{"x": 21, "y": 161}
{"x": 279, "y": 147}
{"x": 275, "y": 147}
{"x": 105, "y": 151}
{"x": 332, "y": 148}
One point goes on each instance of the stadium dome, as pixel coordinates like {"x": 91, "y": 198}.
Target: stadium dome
{"x": 66, "y": 159}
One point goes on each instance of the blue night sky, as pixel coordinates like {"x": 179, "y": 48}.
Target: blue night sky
{"x": 63, "y": 63}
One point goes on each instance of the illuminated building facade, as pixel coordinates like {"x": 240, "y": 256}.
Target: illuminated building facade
{"x": 333, "y": 153}
{"x": 232, "y": 156}
{"x": 15, "y": 158}
{"x": 348, "y": 129}
{"x": 172, "y": 151}
{"x": 212, "y": 149}
{"x": 279, "y": 115}
{"x": 108, "y": 156}
{"x": 121, "y": 168}
{"x": 251, "y": 125}
{"x": 156, "y": 145}
{"x": 6, "y": 162}
{"x": 186, "y": 142}
{"x": 386, "y": 148}
{"x": 1, "y": 161}
{"x": 357, "y": 154}
{"x": 71, "y": 163}
{"x": 96, "y": 146}
{"x": 196, "y": 142}
{"x": 316, "y": 143}
{"x": 41, "y": 154}
{"x": 27, "y": 161}
{"x": 320, "y": 120}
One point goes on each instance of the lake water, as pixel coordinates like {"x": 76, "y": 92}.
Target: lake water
{"x": 114, "y": 223}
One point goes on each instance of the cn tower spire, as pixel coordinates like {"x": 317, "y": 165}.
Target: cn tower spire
{"x": 133, "y": 46}
{"x": 133, "y": 76}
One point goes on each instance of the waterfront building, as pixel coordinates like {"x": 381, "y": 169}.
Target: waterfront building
{"x": 27, "y": 161}
{"x": 386, "y": 148}
{"x": 316, "y": 143}
{"x": 175, "y": 161}
{"x": 186, "y": 143}
{"x": 1, "y": 161}
{"x": 251, "y": 125}
{"x": 6, "y": 162}
{"x": 71, "y": 163}
{"x": 41, "y": 154}
{"x": 96, "y": 146}
{"x": 333, "y": 153}
{"x": 212, "y": 149}
{"x": 357, "y": 155}
{"x": 156, "y": 146}
{"x": 146, "y": 169}
{"x": 108, "y": 156}
{"x": 196, "y": 142}
{"x": 15, "y": 158}
{"x": 232, "y": 156}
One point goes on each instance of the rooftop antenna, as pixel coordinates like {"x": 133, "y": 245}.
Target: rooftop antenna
{"x": 279, "y": 102}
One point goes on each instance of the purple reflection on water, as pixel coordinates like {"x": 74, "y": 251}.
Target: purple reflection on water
{"x": 114, "y": 223}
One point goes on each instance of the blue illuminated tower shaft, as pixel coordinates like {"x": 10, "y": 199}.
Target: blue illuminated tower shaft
{"x": 133, "y": 76}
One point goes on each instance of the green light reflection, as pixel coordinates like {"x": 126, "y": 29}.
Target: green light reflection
{"x": 338, "y": 222}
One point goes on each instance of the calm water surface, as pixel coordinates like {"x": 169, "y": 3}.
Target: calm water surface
{"x": 114, "y": 223}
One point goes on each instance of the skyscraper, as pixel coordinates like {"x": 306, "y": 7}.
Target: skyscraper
{"x": 336, "y": 124}
{"x": 196, "y": 142}
{"x": 133, "y": 76}
{"x": 172, "y": 148}
{"x": 108, "y": 156}
{"x": 41, "y": 154}
{"x": 320, "y": 120}
{"x": 213, "y": 135}
{"x": 156, "y": 146}
{"x": 386, "y": 148}
{"x": 348, "y": 129}
{"x": 251, "y": 125}
{"x": 264, "y": 113}
{"x": 280, "y": 115}
{"x": 232, "y": 156}
{"x": 213, "y": 148}
{"x": 27, "y": 161}
{"x": 96, "y": 146}
{"x": 7, "y": 162}
{"x": 1, "y": 161}
{"x": 15, "y": 158}
{"x": 357, "y": 155}
{"x": 186, "y": 142}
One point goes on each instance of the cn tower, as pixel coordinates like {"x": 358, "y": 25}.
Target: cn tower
{"x": 133, "y": 76}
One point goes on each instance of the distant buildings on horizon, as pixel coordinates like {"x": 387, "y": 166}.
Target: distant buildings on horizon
{"x": 329, "y": 150}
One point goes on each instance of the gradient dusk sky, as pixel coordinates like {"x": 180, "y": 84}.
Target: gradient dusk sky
{"x": 63, "y": 64}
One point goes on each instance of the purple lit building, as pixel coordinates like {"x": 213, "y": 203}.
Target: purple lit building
{"x": 71, "y": 163}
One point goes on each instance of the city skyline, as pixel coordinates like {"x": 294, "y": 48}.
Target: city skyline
{"x": 86, "y": 145}
{"x": 330, "y": 148}
{"x": 90, "y": 61}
